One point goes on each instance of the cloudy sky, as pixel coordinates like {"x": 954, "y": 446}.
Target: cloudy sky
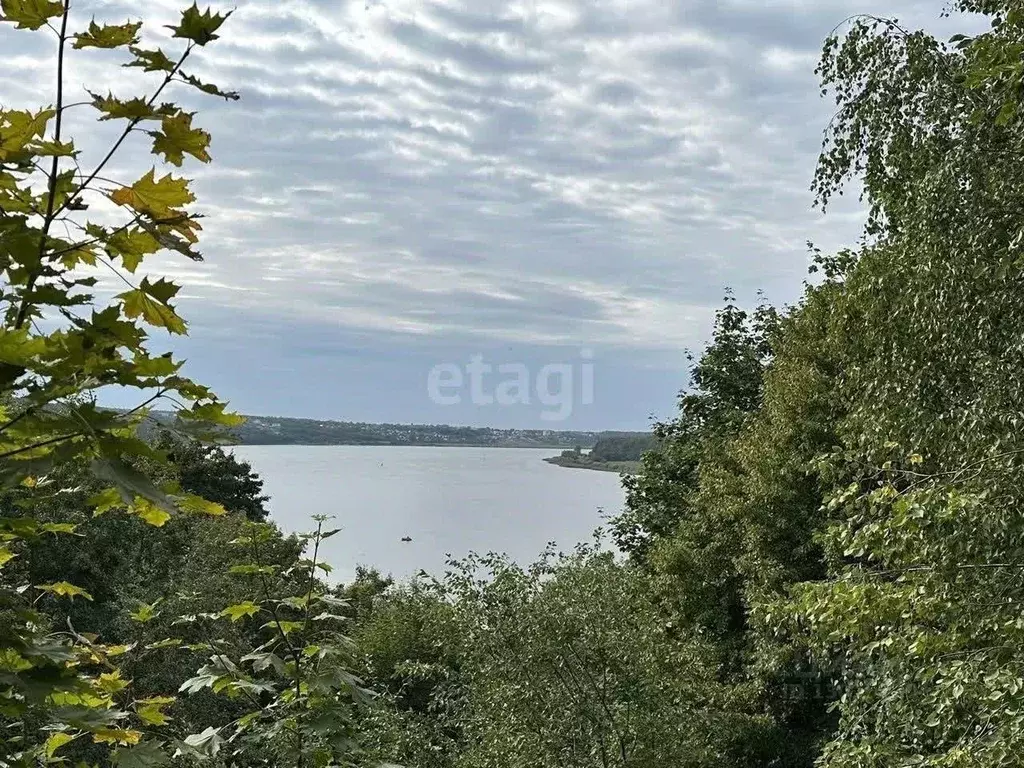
{"x": 408, "y": 183}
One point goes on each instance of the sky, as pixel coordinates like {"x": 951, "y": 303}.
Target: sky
{"x": 434, "y": 211}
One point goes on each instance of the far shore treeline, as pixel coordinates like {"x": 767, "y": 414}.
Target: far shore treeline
{"x": 268, "y": 430}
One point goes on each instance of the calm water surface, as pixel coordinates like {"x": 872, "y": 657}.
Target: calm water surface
{"x": 448, "y": 500}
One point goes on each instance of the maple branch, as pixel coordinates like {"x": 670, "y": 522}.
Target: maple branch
{"x": 99, "y": 239}
{"x": 43, "y": 444}
{"x": 54, "y": 169}
{"x": 131, "y": 124}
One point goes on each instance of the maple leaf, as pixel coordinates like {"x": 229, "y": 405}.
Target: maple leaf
{"x": 18, "y": 128}
{"x": 80, "y": 255}
{"x": 64, "y": 589}
{"x": 121, "y": 736}
{"x": 199, "y": 27}
{"x": 59, "y": 528}
{"x": 240, "y": 611}
{"x": 149, "y": 301}
{"x": 136, "y": 109}
{"x": 162, "y": 290}
{"x": 129, "y": 245}
{"x": 156, "y": 198}
{"x": 164, "y": 236}
{"x": 187, "y": 226}
{"x": 150, "y": 61}
{"x": 146, "y": 613}
{"x": 54, "y": 148}
{"x": 56, "y": 741}
{"x": 214, "y": 413}
{"x": 150, "y": 513}
{"x": 105, "y": 501}
{"x": 197, "y": 505}
{"x": 30, "y": 14}
{"x": 209, "y": 88}
{"x": 108, "y": 35}
{"x": 164, "y": 365}
{"x": 177, "y": 137}
{"x": 111, "y": 682}
{"x": 151, "y": 710}
{"x": 148, "y": 754}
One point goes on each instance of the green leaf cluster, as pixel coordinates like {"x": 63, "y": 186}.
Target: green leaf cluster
{"x": 69, "y": 689}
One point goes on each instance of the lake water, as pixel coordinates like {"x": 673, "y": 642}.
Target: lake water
{"x": 447, "y": 500}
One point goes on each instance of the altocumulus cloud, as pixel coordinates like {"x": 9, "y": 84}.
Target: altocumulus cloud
{"x": 408, "y": 182}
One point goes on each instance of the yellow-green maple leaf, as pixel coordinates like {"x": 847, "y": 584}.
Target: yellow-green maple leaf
{"x": 122, "y": 736}
{"x": 30, "y": 14}
{"x": 21, "y": 348}
{"x": 177, "y": 137}
{"x": 130, "y": 245}
{"x": 18, "y": 128}
{"x": 156, "y": 198}
{"x": 54, "y": 148}
{"x": 108, "y": 35}
{"x": 151, "y": 710}
{"x": 84, "y": 254}
{"x": 149, "y": 301}
{"x": 150, "y": 512}
{"x": 56, "y": 741}
{"x": 64, "y": 589}
{"x": 241, "y": 610}
{"x": 105, "y": 501}
{"x": 135, "y": 109}
{"x": 150, "y": 61}
{"x": 199, "y": 506}
{"x": 199, "y": 26}
{"x": 145, "y": 614}
{"x": 111, "y": 682}
{"x": 214, "y": 413}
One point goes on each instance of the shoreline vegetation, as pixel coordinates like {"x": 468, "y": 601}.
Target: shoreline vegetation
{"x": 616, "y": 453}
{"x": 622, "y": 467}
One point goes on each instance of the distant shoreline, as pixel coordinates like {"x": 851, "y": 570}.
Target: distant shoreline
{"x": 273, "y": 430}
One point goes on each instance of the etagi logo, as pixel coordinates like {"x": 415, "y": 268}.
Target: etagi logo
{"x": 553, "y": 386}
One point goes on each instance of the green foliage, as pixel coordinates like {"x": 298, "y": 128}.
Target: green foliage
{"x": 919, "y": 617}
{"x": 102, "y": 534}
{"x": 293, "y": 681}
{"x": 844, "y": 528}
{"x": 30, "y": 14}
{"x": 565, "y": 663}
{"x": 823, "y": 548}
{"x": 726, "y": 387}
{"x": 569, "y": 664}
{"x": 171, "y": 597}
{"x": 209, "y": 472}
{"x": 48, "y": 378}
{"x": 108, "y": 35}
{"x": 612, "y": 453}
{"x": 838, "y": 512}
{"x": 724, "y": 515}
{"x": 631, "y": 448}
